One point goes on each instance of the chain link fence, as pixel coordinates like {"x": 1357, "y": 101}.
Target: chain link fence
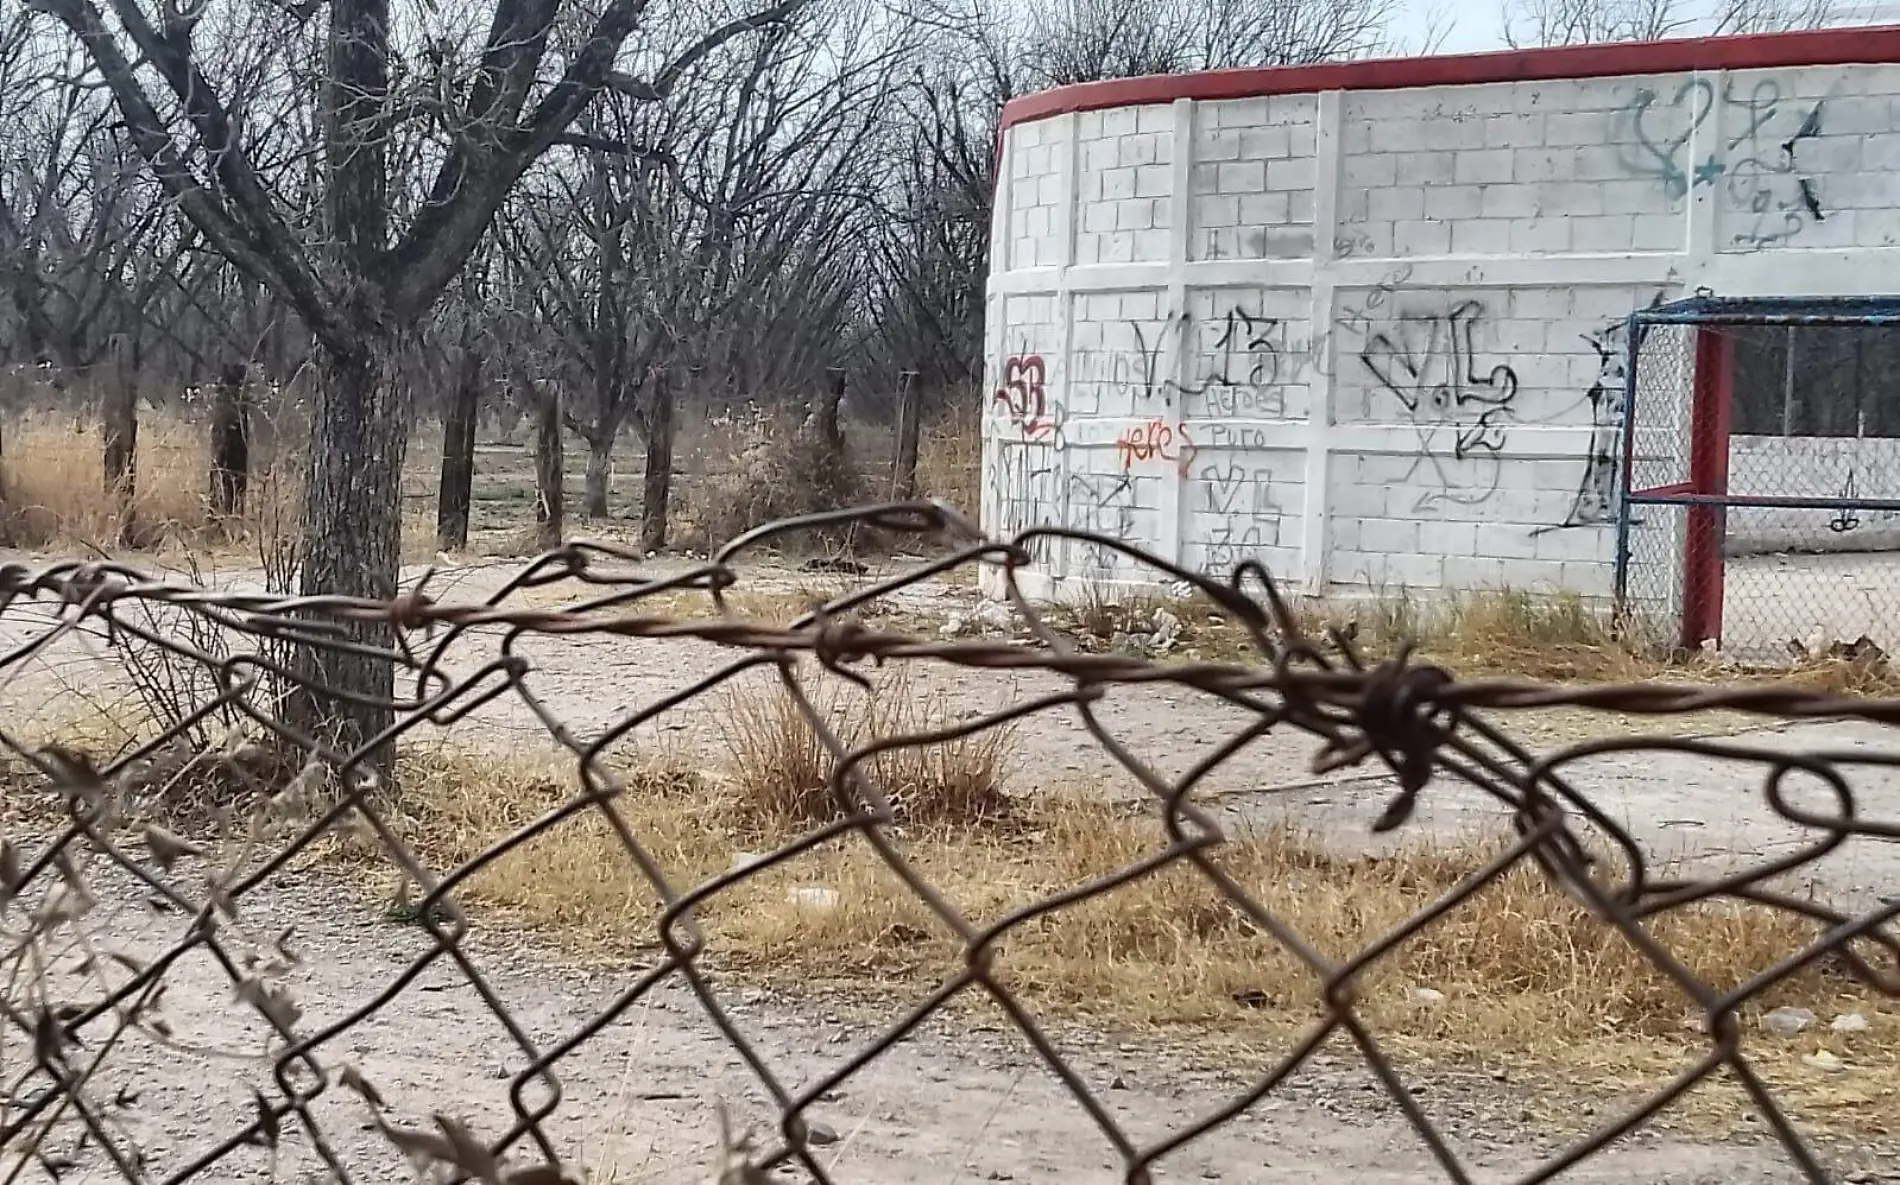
{"x": 1764, "y": 475}
{"x": 87, "y": 1021}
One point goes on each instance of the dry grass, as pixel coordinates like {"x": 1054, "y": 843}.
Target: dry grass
{"x": 53, "y": 495}
{"x": 55, "y": 488}
{"x": 780, "y": 773}
{"x": 1562, "y": 638}
{"x": 1529, "y": 980}
{"x": 1565, "y": 638}
{"x": 950, "y": 458}
{"x": 1558, "y": 637}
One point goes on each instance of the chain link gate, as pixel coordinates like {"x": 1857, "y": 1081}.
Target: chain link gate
{"x": 1760, "y": 507}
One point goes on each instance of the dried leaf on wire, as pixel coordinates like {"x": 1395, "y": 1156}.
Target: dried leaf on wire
{"x": 277, "y": 1007}
{"x": 166, "y": 848}
{"x": 49, "y": 1040}
{"x": 471, "y": 1155}
{"x": 734, "y": 1165}
{"x": 426, "y": 1149}
{"x": 267, "y": 1131}
{"x": 73, "y": 773}
{"x": 352, "y": 1079}
{"x": 11, "y": 872}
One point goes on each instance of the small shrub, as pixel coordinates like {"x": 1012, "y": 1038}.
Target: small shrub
{"x": 781, "y": 466}
{"x": 781, "y": 771}
{"x": 956, "y": 782}
{"x": 779, "y": 767}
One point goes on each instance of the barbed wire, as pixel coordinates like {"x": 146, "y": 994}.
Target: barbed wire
{"x": 1416, "y": 721}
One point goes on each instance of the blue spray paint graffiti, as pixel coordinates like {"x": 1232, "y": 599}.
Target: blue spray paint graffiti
{"x": 1761, "y": 177}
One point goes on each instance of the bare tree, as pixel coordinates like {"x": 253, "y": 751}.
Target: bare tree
{"x": 1772, "y": 16}
{"x": 718, "y": 235}
{"x": 1225, "y": 33}
{"x": 1582, "y": 22}
{"x": 1085, "y": 40}
{"x": 934, "y": 257}
{"x": 426, "y": 119}
{"x": 81, "y": 253}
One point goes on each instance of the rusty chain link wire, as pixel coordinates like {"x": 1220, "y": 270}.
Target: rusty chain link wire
{"x": 1417, "y": 721}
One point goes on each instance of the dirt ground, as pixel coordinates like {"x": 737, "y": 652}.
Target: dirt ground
{"x": 962, "y": 1103}
{"x": 964, "y": 1100}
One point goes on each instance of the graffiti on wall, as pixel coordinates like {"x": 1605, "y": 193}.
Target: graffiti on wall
{"x": 1594, "y": 503}
{"x": 1647, "y": 153}
{"x": 1852, "y": 518}
{"x": 1360, "y": 320}
{"x": 1241, "y": 375}
{"x": 1427, "y": 363}
{"x": 1434, "y": 366}
{"x": 1233, "y": 489}
{"x": 1757, "y": 165}
{"x": 1767, "y": 185}
{"x": 1019, "y": 486}
{"x": 1156, "y": 439}
{"x": 1229, "y": 544}
{"x": 1023, "y": 395}
{"x": 1102, "y": 504}
{"x": 1244, "y": 377}
{"x": 1847, "y": 518}
{"x": 1248, "y": 517}
{"x": 1123, "y": 378}
{"x": 1851, "y": 479}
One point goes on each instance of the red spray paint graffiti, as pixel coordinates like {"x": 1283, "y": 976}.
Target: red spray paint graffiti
{"x": 1156, "y": 438}
{"x": 1022, "y": 396}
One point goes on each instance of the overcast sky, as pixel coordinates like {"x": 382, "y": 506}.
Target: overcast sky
{"x": 1476, "y": 28}
{"x": 1479, "y": 24}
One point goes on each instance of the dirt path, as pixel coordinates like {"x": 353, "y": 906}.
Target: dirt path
{"x": 958, "y": 1103}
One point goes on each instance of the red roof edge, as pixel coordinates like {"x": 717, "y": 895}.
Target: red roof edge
{"x": 1817, "y": 47}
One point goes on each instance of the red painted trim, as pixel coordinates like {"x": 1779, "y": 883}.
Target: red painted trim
{"x": 1817, "y": 47}
{"x": 1679, "y": 487}
{"x": 1705, "y": 527}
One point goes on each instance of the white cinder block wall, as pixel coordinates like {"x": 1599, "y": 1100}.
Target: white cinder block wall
{"x": 1367, "y": 327}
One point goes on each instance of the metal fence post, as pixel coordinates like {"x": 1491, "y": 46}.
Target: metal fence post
{"x": 1703, "y": 526}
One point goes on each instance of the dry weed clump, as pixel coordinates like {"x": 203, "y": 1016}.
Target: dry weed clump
{"x": 771, "y": 605}
{"x": 780, "y": 466}
{"x": 1519, "y": 975}
{"x": 950, "y": 458}
{"x": 1558, "y": 636}
{"x": 780, "y": 771}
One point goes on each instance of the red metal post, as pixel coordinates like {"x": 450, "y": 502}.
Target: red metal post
{"x": 1705, "y": 526}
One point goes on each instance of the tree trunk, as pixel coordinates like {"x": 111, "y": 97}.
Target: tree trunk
{"x": 657, "y": 486}
{"x": 352, "y": 546}
{"x": 829, "y": 407}
{"x": 549, "y": 466}
{"x": 909, "y": 426}
{"x": 457, "y": 491}
{"x": 230, "y": 442}
{"x": 119, "y": 433}
{"x": 600, "y": 473}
